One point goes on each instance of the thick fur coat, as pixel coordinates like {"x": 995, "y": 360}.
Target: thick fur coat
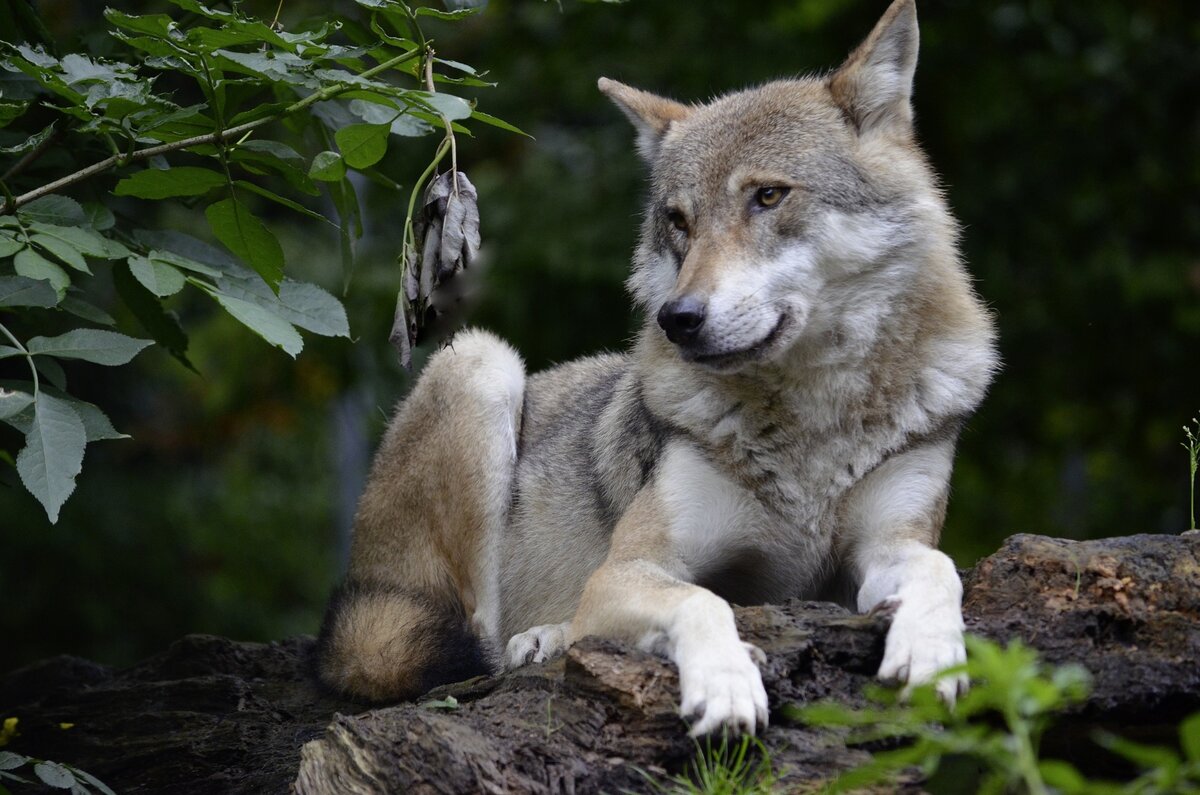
{"x": 784, "y": 425}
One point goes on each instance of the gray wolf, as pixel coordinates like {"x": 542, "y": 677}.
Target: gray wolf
{"x": 783, "y": 426}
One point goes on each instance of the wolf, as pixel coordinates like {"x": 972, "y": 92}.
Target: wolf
{"x": 783, "y": 425}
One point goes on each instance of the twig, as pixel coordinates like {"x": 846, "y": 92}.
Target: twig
{"x": 220, "y": 136}
{"x": 445, "y": 122}
{"x": 24, "y": 352}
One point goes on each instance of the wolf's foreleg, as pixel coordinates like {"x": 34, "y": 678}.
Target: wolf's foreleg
{"x": 641, "y": 594}
{"x": 894, "y": 518}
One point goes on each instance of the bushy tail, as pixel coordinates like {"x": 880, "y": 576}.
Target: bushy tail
{"x": 380, "y": 643}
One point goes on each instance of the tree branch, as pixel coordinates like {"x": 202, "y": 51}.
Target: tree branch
{"x": 329, "y": 92}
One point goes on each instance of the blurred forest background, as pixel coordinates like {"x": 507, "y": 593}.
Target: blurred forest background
{"x": 1068, "y": 137}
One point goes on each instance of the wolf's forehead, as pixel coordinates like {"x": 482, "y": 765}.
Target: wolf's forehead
{"x": 780, "y": 128}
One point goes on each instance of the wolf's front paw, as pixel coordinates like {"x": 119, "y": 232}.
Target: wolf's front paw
{"x": 536, "y": 645}
{"x": 925, "y": 638}
{"x": 723, "y": 691}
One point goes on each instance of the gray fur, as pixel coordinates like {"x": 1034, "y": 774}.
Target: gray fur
{"x": 798, "y": 444}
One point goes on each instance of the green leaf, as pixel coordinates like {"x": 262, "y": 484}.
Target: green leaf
{"x": 276, "y": 148}
{"x": 96, "y": 423}
{"x": 288, "y": 203}
{"x": 51, "y": 371}
{"x": 363, "y": 145}
{"x": 30, "y": 143}
{"x": 375, "y": 109}
{"x": 263, "y": 322}
{"x": 86, "y": 310}
{"x": 154, "y": 183}
{"x": 11, "y": 761}
{"x": 314, "y": 309}
{"x": 52, "y": 455}
{"x": 53, "y": 774}
{"x": 86, "y": 241}
{"x": 246, "y": 236}
{"x": 1146, "y": 757}
{"x": 278, "y": 158}
{"x": 425, "y": 11}
{"x": 158, "y": 26}
{"x": 54, "y": 210}
{"x": 90, "y": 345}
{"x": 448, "y": 105}
{"x": 11, "y": 404}
{"x": 160, "y": 324}
{"x": 299, "y": 303}
{"x": 99, "y": 217}
{"x": 327, "y": 167}
{"x": 23, "y": 291}
{"x": 11, "y": 111}
{"x": 275, "y": 66}
{"x": 156, "y": 276}
{"x": 1062, "y": 776}
{"x": 9, "y": 246}
{"x": 350, "y": 222}
{"x": 187, "y": 252}
{"x": 32, "y": 265}
{"x": 1189, "y": 737}
{"x": 95, "y": 782}
{"x": 501, "y": 123}
{"x": 64, "y": 252}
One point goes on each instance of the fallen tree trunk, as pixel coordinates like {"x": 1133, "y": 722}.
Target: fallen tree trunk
{"x": 213, "y": 715}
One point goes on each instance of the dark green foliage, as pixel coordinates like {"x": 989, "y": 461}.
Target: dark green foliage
{"x": 241, "y": 74}
{"x": 990, "y": 739}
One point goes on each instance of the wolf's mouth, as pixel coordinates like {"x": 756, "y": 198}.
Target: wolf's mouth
{"x": 729, "y": 359}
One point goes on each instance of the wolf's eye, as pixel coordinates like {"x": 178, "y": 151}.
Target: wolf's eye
{"x": 770, "y": 196}
{"x": 677, "y": 220}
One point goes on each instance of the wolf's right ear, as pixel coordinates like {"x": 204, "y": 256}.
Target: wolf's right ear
{"x": 651, "y": 114}
{"x": 874, "y": 86}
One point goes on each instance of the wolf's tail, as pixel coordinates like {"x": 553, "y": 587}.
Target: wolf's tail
{"x": 379, "y": 642}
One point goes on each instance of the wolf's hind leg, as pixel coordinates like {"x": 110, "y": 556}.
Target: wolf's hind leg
{"x": 420, "y": 603}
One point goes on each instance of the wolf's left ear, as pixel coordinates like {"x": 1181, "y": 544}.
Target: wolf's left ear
{"x": 874, "y": 85}
{"x": 651, "y": 114}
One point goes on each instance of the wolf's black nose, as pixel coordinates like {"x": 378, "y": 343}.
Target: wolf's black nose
{"x": 682, "y": 319}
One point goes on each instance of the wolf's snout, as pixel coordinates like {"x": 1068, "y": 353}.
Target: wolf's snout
{"x": 682, "y": 319}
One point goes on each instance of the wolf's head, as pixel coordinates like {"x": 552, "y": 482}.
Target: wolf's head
{"x": 792, "y": 211}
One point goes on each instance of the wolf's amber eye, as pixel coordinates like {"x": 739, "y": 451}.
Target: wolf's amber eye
{"x": 677, "y": 220}
{"x": 770, "y": 196}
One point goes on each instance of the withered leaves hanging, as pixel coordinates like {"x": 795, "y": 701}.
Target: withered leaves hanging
{"x": 445, "y": 241}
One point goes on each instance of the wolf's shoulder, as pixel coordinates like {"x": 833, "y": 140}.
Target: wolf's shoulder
{"x": 569, "y": 397}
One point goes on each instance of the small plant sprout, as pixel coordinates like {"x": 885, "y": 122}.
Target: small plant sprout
{"x": 1192, "y": 445}
{"x": 740, "y": 767}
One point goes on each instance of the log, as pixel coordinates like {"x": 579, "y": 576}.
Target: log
{"x": 214, "y": 715}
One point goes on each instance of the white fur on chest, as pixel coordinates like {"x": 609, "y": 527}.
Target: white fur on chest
{"x": 710, "y": 516}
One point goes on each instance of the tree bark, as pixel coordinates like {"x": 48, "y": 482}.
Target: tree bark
{"x": 214, "y": 715}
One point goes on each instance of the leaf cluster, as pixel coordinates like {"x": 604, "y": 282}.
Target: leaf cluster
{"x": 220, "y": 112}
{"x": 55, "y": 775}
{"x": 998, "y": 724}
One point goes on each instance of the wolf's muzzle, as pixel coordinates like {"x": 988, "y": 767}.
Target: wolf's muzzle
{"x": 682, "y": 319}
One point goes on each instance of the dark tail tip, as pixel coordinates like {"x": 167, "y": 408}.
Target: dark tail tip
{"x": 380, "y": 644}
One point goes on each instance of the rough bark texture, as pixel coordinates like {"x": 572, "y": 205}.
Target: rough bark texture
{"x": 213, "y": 715}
